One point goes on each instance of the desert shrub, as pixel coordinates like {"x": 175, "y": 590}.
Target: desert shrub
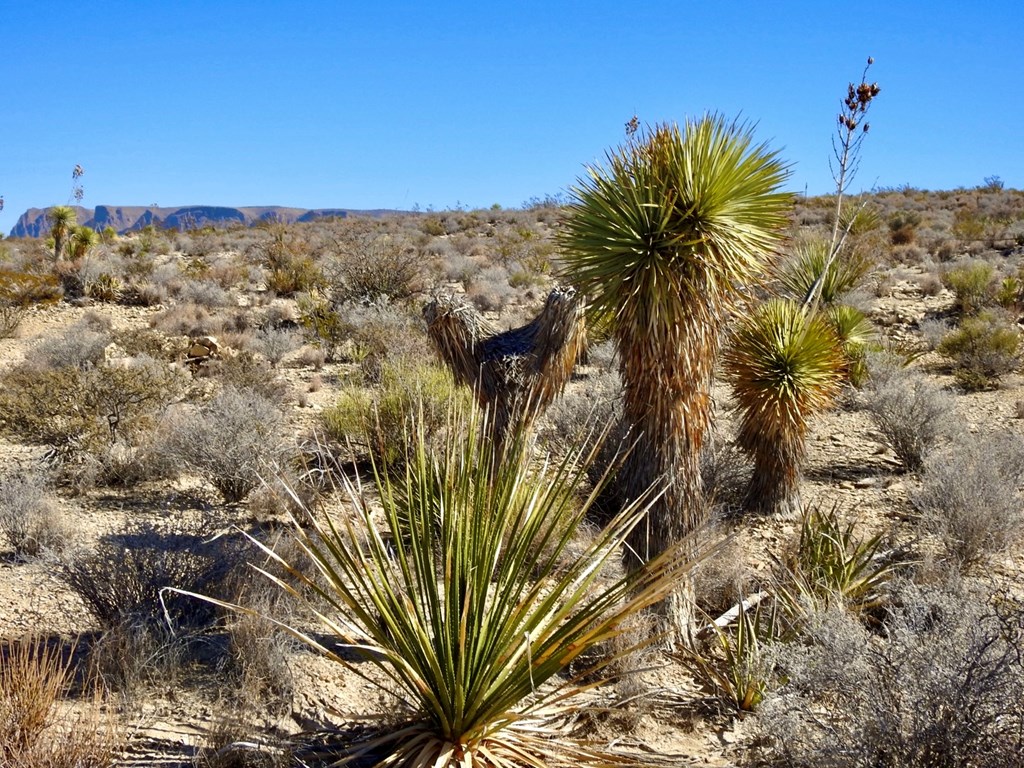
{"x": 186, "y": 320}
{"x": 969, "y": 497}
{"x": 80, "y": 346}
{"x": 19, "y": 291}
{"x": 971, "y": 285}
{"x": 275, "y": 344}
{"x": 145, "y": 342}
{"x": 940, "y": 688}
{"x": 204, "y": 294}
{"x": 368, "y": 265}
{"x": 285, "y": 255}
{"x": 912, "y": 413}
{"x": 324, "y": 325}
{"x": 139, "y": 293}
{"x": 382, "y": 331}
{"x": 76, "y": 409}
{"x": 30, "y": 522}
{"x": 120, "y": 580}
{"x": 983, "y": 349}
{"x": 588, "y": 414}
{"x": 933, "y": 330}
{"x": 490, "y": 290}
{"x": 36, "y": 730}
{"x": 245, "y": 372}
{"x": 378, "y": 419}
{"x": 903, "y": 227}
{"x": 231, "y": 441}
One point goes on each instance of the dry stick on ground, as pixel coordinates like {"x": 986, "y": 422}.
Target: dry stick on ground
{"x": 517, "y": 373}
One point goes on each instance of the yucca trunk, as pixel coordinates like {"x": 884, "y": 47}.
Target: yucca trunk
{"x": 666, "y": 371}
{"x": 778, "y": 461}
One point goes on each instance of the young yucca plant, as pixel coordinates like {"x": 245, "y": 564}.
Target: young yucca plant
{"x": 857, "y": 336}
{"x": 733, "y": 668}
{"x": 785, "y": 364}
{"x": 469, "y": 601}
{"x": 810, "y": 263}
{"x": 833, "y": 565}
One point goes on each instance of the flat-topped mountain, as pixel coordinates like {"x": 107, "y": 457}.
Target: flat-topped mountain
{"x": 130, "y": 218}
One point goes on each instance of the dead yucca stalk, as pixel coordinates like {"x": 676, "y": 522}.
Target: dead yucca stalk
{"x": 518, "y": 373}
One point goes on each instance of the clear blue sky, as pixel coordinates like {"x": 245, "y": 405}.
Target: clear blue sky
{"x": 386, "y": 105}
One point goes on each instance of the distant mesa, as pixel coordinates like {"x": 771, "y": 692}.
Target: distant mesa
{"x": 132, "y": 218}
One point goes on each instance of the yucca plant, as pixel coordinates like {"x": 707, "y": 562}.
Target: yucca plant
{"x": 62, "y": 221}
{"x": 81, "y": 240}
{"x": 834, "y": 565}
{"x": 785, "y": 364}
{"x": 856, "y": 336}
{"x": 661, "y": 239}
{"x": 468, "y": 601}
{"x": 733, "y": 667}
{"x": 811, "y": 263}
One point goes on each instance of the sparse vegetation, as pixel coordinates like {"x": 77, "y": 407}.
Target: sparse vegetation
{"x": 982, "y": 349}
{"x": 970, "y": 498}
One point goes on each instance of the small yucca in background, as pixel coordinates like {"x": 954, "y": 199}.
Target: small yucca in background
{"x": 785, "y": 364}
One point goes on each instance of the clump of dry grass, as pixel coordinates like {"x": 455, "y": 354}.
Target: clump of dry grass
{"x": 36, "y": 731}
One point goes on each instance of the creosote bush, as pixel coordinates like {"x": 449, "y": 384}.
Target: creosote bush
{"x": 983, "y": 349}
{"x": 379, "y": 419}
{"x": 971, "y": 284}
{"x": 84, "y": 410}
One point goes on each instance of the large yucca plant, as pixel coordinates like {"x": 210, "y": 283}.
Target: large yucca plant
{"x": 785, "y": 364}
{"x": 470, "y": 596}
{"x": 660, "y": 239}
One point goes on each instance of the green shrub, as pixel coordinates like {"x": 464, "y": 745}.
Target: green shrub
{"x": 982, "y": 349}
{"x": 971, "y": 285}
{"x": 85, "y": 410}
{"x": 380, "y": 419}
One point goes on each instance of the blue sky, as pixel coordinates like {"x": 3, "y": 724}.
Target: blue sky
{"x": 387, "y": 105}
